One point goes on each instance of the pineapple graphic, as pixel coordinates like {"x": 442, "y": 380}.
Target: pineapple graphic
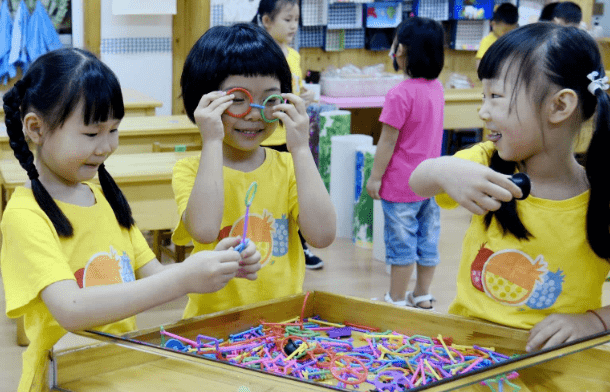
{"x": 280, "y": 237}
{"x": 545, "y": 294}
{"x": 510, "y": 276}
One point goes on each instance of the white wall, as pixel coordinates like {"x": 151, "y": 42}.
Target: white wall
{"x": 138, "y": 49}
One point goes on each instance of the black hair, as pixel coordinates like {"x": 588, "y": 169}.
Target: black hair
{"x": 240, "y": 49}
{"x": 547, "y": 56}
{"x": 546, "y": 15}
{"x": 271, "y": 8}
{"x": 568, "y": 11}
{"x": 506, "y": 13}
{"x": 53, "y": 87}
{"x": 424, "y": 41}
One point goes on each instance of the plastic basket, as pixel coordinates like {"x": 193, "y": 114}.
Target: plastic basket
{"x": 361, "y": 86}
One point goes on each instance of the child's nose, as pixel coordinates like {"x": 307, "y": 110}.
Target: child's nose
{"x": 484, "y": 113}
{"x": 255, "y": 112}
{"x": 107, "y": 145}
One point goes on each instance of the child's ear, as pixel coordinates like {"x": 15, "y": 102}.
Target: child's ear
{"x": 400, "y": 50}
{"x": 563, "y": 104}
{"x": 32, "y": 127}
{"x": 266, "y": 21}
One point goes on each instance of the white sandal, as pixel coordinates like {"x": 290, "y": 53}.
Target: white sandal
{"x": 415, "y": 301}
{"x": 389, "y": 300}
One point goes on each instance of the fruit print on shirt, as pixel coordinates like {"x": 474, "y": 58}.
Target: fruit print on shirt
{"x": 513, "y": 278}
{"x": 261, "y": 230}
{"x": 105, "y": 268}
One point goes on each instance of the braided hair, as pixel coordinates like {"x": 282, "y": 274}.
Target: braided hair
{"x": 563, "y": 57}
{"x": 52, "y": 87}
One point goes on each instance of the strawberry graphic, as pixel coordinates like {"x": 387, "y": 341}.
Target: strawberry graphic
{"x": 476, "y": 268}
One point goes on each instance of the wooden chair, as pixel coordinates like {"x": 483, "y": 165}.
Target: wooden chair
{"x": 162, "y": 238}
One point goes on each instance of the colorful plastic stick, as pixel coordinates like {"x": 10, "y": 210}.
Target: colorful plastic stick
{"x": 249, "y": 198}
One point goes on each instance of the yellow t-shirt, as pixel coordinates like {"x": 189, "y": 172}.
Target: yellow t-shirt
{"x": 519, "y": 283}
{"x": 486, "y": 42}
{"x": 272, "y": 225}
{"x": 33, "y": 256}
{"x": 278, "y": 137}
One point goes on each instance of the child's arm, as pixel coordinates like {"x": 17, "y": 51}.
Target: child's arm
{"x": 317, "y": 219}
{"x": 474, "y": 186}
{"x": 559, "y": 328}
{"x": 203, "y": 272}
{"x": 383, "y": 154}
{"x": 203, "y": 214}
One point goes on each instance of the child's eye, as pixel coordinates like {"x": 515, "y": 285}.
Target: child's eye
{"x": 90, "y": 134}
{"x": 114, "y": 130}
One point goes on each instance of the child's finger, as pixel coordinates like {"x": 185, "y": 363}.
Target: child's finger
{"x": 227, "y": 243}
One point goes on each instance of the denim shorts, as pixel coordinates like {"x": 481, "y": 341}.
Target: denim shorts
{"x": 411, "y": 232}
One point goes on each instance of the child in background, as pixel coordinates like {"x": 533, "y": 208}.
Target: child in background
{"x": 236, "y": 86}
{"x": 505, "y": 19}
{"x": 567, "y": 13}
{"x": 537, "y": 263}
{"x": 412, "y": 131}
{"x": 281, "y": 20}
{"x": 72, "y": 257}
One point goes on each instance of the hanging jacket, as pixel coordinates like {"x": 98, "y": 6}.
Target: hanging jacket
{"x": 7, "y": 71}
{"x": 42, "y": 36}
{"x": 19, "y": 56}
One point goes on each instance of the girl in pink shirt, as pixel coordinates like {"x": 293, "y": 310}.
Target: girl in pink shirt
{"x": 412, "y": 132}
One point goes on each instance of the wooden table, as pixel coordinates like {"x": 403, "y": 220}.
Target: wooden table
{"x": 144, "y": 178}
{"x": 137, "y": 134}
{"x": 461, "y": 111}
{"x": 136, "y": 104}
{"x": 136, "y": 362}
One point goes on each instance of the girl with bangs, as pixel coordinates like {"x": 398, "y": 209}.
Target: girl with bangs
{"x": 536, "y": 262}
{"x": 72, "y": 257}
{"x": 236, "y": 86}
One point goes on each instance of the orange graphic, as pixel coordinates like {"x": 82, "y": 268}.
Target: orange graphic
{"x": 102, "y": 269}
{"x": 509, "y": 276}
{"x": 260, "y": 231}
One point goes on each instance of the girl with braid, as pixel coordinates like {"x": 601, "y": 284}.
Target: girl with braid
{"x": 537, "y": 263}
{"x": 72, "y": 257}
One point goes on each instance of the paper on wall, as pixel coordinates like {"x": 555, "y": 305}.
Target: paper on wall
{"x": 143, "y": 7}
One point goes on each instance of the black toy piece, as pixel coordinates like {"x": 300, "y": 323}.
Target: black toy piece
{"x": 523, "y": 182}
{"x": 290, "y": 347}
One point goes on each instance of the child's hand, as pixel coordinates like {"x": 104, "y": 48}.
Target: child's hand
{"x": 560, "y": 328}
{"x": 207, "y": 272}
{"x": 296, "y": 121}
{"x": 372, "y": 188}
{"x": 476, "y": 187}
{"x": 307, "y": 96}
{"x": 208, "y": 114}
{"x": 250, "y": 257}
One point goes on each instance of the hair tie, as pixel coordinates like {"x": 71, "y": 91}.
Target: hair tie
{"x": 597, "y": 83}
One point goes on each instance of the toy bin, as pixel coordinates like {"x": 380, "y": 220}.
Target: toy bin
{"x": 139, "y": 361}
{"x": 359, "y": 85}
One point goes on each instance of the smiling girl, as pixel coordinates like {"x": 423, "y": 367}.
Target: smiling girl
{"x": 236, "y": 87}
{"x": 537, "y": 263}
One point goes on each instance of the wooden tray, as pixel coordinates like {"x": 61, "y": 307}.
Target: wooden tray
{"x": 136, "y": 362}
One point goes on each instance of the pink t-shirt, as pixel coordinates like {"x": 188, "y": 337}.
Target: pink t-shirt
{"x": 414, "y": 107}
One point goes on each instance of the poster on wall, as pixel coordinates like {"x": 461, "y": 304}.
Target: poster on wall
{"x": 59, "y": 12}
